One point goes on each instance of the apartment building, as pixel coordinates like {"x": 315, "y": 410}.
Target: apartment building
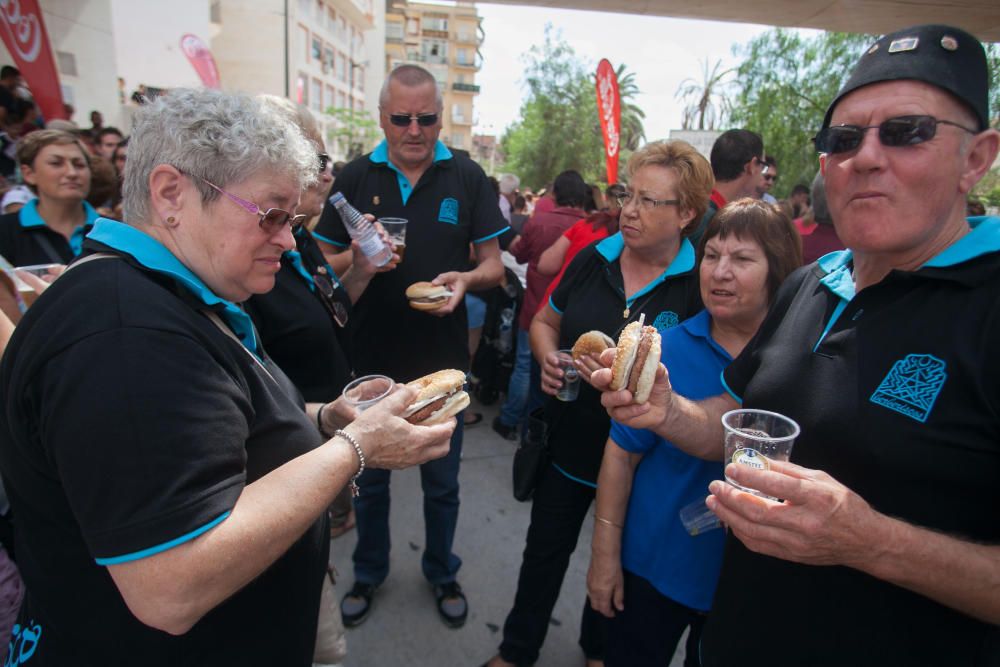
{"x": 445, "y": 39}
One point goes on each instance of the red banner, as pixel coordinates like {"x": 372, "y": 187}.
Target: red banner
{"x": 23, "y": 33}
{"x": 200, "y": 57}
{"x": 609, "y": 109}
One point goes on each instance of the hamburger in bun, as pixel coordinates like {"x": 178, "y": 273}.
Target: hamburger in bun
{"x": 428, "y": 296}
{"x": 636, "y": 359}
{"x": 592, "y": 343}
{"x": 439, "y": 398}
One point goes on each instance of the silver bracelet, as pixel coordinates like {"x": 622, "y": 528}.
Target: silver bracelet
{"x": 355, "y": 491}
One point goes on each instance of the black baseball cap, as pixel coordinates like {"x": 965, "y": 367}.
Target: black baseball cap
{"x": 941, "y": 55}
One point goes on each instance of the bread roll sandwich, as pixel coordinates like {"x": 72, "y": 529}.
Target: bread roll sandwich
{"x": 439, "y": 398}
{"x": 636, "y": 359}
{"x": 427, "y": 296}
{"x": 591, "y": 343}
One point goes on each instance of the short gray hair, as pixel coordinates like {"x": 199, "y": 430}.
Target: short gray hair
{"x": 298, "y": 114}
{"x": 509, "y": 183}
{"x": 207, "y": 134}
{"x": 410, "y": 76}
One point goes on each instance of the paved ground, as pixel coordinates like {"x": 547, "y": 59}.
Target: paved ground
{"x": 404, "y": 628}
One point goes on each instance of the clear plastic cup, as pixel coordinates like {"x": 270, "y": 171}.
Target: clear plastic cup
{"x": 24, "y": 289}
{"x": 368, "y": 390}
{"x": 571, "y": 377}
{"x": 698, "y": 519}
{"x": 754, "y": 438}
{"x": 396, "y": 229}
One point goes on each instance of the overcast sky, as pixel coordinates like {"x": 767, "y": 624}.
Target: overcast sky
{"x": 661, "y": 51}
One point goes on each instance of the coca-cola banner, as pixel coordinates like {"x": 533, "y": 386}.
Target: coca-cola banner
{"x": 609, "y": 109}
{"x": 23, "y": 32}
{"x": 200, "y": 57}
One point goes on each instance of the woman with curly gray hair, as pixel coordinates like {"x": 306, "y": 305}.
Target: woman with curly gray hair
{"x": 170, "y": 484}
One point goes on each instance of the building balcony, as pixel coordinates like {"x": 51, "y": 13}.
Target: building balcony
{"x": 467, "y": 38}
{"x": 472, "y": 63}
{"x": 461, "y": 120}
{"x": 465, "y": 87}
{"x": 356, "y": 12}
{"x": 437, "y": 34}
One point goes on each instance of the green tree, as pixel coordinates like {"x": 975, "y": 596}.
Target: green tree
{"x": 705, "y": 99}
{"x": 355, "y": 131}
{"x": 782, "y": 90}
{"x": 559, "y": 127}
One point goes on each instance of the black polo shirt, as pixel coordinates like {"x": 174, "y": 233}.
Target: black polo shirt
{"x": 896, "y": 391}
{"x": 25, "y": 239}
{"x": 591, "y": 296}
{"x": 131, "y": 425}
{"x": 452, "y": 206}
{"x": 296, "y": 326}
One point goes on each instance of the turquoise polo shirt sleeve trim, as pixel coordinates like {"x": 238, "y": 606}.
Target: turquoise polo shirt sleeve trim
{"x": 575, "y": 479}
{"x": 381, "y": 156}
{"x": 722, "y": 379}
{"x": 160, "y": 548}
{"x": 155, "y": 256}
{"x": 552, "y": 305}
{"x": 491, "y": 236}
{"x": 326, "y": 239}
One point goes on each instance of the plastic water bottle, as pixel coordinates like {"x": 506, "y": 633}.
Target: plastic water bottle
{"x": 362, "y": 231}
{"x": 505, "y": 340}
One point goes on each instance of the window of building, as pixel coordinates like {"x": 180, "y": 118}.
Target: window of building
{"x": 435, "y": 50}
{"x": 457, "y": 113}
{"x": 412, "y": 26}
{"x": 463, "y": 57}
{"x": 215, "y": 12}
{"x": 394, "y": 30}
{"x": 458, "y": 140}
{"x": 435, "y": 23}
{"x": 303, "y": 34}
{"x": 328, "y": 60}
{"x": 317, "y": 49}
{"x": 329, "y": 100}
{"x": 319, "y": 10}
{"x": 359, "y": 105}
{"x": 302, "y": 89}
{"x": 341, "y": 99}
{"x": 342, "y": 33}
{"x": 331, "y": 21}
{"x": 359, "y": 78}
{"x": 316, "y": 95}
{"x": 341, "y": 67}
{"x": 66, "y": 62}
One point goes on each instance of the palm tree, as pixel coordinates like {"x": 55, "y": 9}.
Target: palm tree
{"x": 632, "y": 132}
{"x": 704, "y": 100}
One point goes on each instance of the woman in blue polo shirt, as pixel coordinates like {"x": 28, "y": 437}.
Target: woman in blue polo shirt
{"x": 648, "y": 267}
{"x": 649, "y": 575}
{"x": 50, "y": 228}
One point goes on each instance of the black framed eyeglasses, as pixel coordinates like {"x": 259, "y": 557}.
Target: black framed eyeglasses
{"x": 899, "y": 131}
{"x": 271, "y": 220}
{"x": 404, "y": 120}
{"x": 643, "y": 202}
{"x": 324, "y": 162}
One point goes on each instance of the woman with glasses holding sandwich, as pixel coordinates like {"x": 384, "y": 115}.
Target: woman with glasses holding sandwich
{"x": 170, "y": 483}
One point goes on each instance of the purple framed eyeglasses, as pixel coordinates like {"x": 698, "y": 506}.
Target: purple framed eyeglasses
{"x": 271, "y": 220}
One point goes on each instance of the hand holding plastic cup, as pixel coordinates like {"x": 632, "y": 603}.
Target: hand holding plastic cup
{"x": 396, "y": 229}
{"x": 571, "y": 377}
{"x": 754, "y": 438}
{"x": 367, "y": 391}
{"x": 30, "y": 281}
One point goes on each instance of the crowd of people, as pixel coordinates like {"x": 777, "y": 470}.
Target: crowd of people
{"x": 177, "y": 451}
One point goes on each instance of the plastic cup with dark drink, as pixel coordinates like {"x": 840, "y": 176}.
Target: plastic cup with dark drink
{"x": 396, "y": 229}
{"x": 754, "y": 438}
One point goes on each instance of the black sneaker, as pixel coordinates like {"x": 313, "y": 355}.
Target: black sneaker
{"x": 356, "y": 604}
{"x": 504, "y": 431}
{"x": 451, "y": 604}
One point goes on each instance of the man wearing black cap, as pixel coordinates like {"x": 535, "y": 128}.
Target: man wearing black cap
{"x": 884, "y": 549}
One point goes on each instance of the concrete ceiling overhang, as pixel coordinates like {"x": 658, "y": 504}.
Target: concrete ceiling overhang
{"x": 980, "y": 17}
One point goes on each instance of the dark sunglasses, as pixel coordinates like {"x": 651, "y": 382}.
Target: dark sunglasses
{"x": 325, "y": 289}
{"x": 404, "y": 120}
{"x": 900, "y": 131}
{"x": 324, "y": 162}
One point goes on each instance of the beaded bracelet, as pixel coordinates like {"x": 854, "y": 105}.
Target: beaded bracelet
{"x": 355, "y": 491}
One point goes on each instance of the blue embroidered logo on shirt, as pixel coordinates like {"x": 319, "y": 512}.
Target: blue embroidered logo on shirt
{"x": 23, "y": 642}
{"x": 912, "y": 386}
{"x": 449, "y": 211}
{"x": 666, "y": 320}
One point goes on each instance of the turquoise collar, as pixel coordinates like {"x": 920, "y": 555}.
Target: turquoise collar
{"x": 28, "y": 217}
{"x": 381, "y": 156}
{"x": 154, "y": 256}
{"x": 611, "y": 249}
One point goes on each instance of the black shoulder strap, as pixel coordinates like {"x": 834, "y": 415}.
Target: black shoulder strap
{"x": 48, "y": 248}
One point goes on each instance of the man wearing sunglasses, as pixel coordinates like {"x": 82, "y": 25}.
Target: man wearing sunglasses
{"x": 450, "y": 205}
{"x": 885, "y": 549}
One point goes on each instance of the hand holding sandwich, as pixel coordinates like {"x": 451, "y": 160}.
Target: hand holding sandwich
{"x": 456, "y": 283}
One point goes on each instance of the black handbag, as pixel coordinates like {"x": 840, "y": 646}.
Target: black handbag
{"x": 531, "y": 456}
